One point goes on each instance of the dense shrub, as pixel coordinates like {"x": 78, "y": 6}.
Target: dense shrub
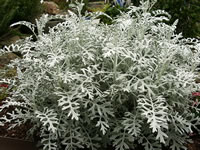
{"x": 86, "y": 84}
{"x": 16, "y": 10}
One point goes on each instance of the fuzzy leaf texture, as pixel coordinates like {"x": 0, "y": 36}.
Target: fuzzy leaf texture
{"x": 85, "y": 84}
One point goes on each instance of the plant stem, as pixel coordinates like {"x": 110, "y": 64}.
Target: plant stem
{"x": 115, "y": 67}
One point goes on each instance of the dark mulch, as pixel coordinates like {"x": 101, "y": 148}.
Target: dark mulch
{"x": 15, "y": 138}
{"x": 196, "y": 143}
{"x": 19, "y": 132}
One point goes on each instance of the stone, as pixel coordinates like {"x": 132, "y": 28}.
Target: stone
{"x": 58, "y": 1}
{"x": 8, "y": 40}
{"x": 51, "y": 8}
{"x": 14, "y": 39}
{"x": 6, "y": 58}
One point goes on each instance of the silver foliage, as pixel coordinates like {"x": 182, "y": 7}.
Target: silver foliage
{"x": 84, "y": 81}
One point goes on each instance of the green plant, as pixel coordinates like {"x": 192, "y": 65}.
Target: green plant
{"x": 17, "y": 10}
{"x": 186, "y": 11}
{"x": 63, "y": 5}
{"x": 112, "y": 12}
{"x": 3, "y": 92}
{"x": 102, "y": 9}
{"x": 87, "y": 84}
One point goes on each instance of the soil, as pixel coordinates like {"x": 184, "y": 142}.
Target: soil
{"x": 19, "y": 132}
{"x": 196, "y": 143}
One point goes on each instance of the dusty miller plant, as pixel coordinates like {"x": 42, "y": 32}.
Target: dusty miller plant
{"x": 85, "y": 84}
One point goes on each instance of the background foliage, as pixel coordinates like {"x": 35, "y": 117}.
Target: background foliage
{"x": 113, "y": 12}
{"x": 17, "y": 10}
{"x": 186, "y": 11}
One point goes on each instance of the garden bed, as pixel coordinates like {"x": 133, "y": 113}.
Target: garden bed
{"x": 15, "y": 138}
{"x": 15, "y": 144}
